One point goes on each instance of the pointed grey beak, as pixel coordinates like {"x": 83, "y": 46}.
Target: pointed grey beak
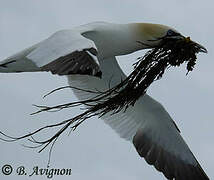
{"x": 201, "y": 48}
{"x": 198, "y": 47}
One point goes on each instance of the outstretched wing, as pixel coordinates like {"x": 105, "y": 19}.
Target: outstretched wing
{"x": 148, "y": 125}
{"x": 65, "y": 52}
{"x": 157, "y": 139}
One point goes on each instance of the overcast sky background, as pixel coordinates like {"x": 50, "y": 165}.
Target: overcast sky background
{"x": 94, "y": 151}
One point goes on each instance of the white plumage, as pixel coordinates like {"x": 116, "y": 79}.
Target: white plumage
{"x": 86, "y": 54}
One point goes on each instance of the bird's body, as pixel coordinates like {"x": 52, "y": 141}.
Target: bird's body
{"x": 86, "y": 54}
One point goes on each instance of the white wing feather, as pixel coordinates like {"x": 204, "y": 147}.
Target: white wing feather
{"x": 65, "y": 49}
{"x": 59, "y": 44}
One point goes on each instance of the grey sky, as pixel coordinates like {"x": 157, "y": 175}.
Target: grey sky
{"x": 94, "y": 151}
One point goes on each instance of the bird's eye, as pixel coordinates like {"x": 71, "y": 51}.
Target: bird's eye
{"x": 172, "y": 33}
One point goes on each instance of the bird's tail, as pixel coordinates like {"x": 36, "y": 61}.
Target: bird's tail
{"x": 19, "y": 63}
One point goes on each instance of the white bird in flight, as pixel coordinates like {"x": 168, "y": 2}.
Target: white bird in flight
{"x": 86, "y": 55}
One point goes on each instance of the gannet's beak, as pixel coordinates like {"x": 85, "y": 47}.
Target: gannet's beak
{"x": 199, "y": 47}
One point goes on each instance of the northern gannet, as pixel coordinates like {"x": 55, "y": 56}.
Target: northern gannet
{"x": 86, "y": 55}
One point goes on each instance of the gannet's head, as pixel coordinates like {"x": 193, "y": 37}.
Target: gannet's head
{"x": 151, "y": 35}
{"x": 156, "y": 31}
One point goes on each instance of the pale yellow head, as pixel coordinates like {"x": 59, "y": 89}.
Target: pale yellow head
{"x": 149, "y": 35}
{"x": 152, "y": 32}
